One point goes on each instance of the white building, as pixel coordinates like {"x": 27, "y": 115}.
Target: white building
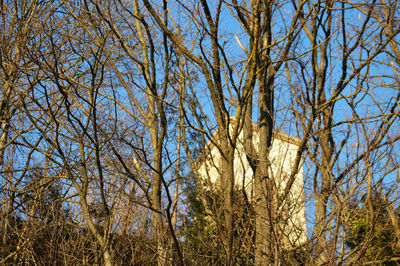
{"x": 282, "y": 157}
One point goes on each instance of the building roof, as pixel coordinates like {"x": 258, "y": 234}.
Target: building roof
{"x": 214, "y": 139}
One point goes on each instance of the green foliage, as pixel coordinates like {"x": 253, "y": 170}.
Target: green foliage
{"x": 203, "y": 237}
{"x": 200, "y": 233}
{"x": 376, "y": 233}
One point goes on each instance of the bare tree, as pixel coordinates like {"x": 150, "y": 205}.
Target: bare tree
{"x": 324, "y": 86}
{"x": 20, "y": 22}
{"x": 109, "y": 111}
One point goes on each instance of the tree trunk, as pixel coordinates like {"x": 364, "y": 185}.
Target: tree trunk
{"x": 264, "y": 183}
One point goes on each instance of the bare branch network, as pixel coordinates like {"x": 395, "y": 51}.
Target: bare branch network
{"x": 261, "y": 132}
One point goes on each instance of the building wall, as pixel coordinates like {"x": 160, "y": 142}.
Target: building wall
{"x": 282, "y": 156}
